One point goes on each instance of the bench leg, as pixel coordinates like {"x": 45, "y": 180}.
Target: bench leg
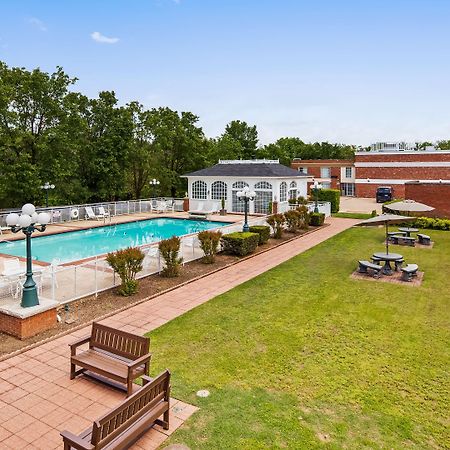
{"x": 166, "y": 420}
{"x": 362, "y": 269}
{"x": 129, "y": 386}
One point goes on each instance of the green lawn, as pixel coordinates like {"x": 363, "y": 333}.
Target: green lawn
{"x": 304, "y": 357}
{"x": 345, "y": 215}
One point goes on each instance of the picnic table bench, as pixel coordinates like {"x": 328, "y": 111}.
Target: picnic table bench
{"x": 364, "y": 265}
{"x": 114, "y": 354}
{"x": 124, "y": 424}
{"x": 405, "y": 240}
{"x": 424, "y": 239}
{"x": 409, "y": 272}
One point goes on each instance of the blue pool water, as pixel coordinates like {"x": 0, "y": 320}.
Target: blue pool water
{"x": 75, "y": 245}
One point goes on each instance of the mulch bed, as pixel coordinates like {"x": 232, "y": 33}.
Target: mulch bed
{"x": 89, "y": 308}
{"x": 395, "y": 278}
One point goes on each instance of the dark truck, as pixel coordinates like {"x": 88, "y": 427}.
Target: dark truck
{"x": 384, "y": 194}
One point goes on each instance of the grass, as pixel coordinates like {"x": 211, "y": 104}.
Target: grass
{"x": 344, "y": 215}
{"x": 305, "y": 357}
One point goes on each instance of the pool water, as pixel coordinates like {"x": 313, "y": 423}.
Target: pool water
{"x": 76, "y": 245}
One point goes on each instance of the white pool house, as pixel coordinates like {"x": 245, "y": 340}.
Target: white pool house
{"x": 271, "y": 181}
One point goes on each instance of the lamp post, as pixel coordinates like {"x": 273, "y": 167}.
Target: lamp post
{"x": 246, "y": 196}
{"x": 154, "y": 183}
{"x": 46, "y": 187}
{"x": 316, "y": 187}
{"x": 28, "y": 222}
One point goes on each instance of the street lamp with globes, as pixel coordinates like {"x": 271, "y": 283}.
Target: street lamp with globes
{"x": 47, "y": 186}
{"x": 246, "y": 196}
{"x": 316, "y": 187}
{"x": 154, "y": 183}
{"x": 28, "y": 222}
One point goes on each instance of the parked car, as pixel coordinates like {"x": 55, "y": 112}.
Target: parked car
{"x": 384, "y": 194}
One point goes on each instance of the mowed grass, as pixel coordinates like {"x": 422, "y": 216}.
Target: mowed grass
{"x": 305, "y": 357}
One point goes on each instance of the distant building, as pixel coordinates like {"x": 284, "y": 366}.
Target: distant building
{"x": 392, "y": 146}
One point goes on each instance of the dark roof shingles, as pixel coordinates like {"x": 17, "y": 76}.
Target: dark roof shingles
{"x": 246, "y": 170}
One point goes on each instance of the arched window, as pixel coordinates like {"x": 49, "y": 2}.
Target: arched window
{"x": 199, "y": 190}
{"x": 263, "y": 198}
{"x": 293, "y": 190}
{"x": 219, "y": 190}
{"x": 283, "y": 192}
{"x": 236, "y": 204}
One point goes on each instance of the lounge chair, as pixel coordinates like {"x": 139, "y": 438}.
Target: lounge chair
{"x": 91, "y": 215}
{"x": 2, "y": 229}
{"x": 161, "y": 206}
{"x": 102, "y": 212}
{"x": 199, "y": 211}
{"x": 12, "y": 267}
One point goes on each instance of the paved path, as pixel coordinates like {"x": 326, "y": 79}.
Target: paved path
{"x": 37, "y": 399}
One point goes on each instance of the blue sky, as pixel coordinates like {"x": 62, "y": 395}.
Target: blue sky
{"x": 339, "y": 70}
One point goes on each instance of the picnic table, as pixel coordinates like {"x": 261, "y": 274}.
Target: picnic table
{"x": 387, "y": 258}
{"x": 408, "y": 231}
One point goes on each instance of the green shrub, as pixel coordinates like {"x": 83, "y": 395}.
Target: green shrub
{"x": 302, "y": 200}
{"x": 126, "y": 263}
{"x": 293, "y": 219}
{"x": 169, "y": 250}
{"x": 316, "y": 219}
{"x": 240, "y": 243}
{"x": 276, "y": 221}
{"x": 373, "y": 213}
{"x": 431, "y": 223}
{"x": 209, "y": 243}
{"x": 304, "y": 215}
{"x": 330, "y": 195}
{"x": 263, "y": 231}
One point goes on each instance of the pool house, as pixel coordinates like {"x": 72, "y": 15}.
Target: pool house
{"x": 271, "y": 181}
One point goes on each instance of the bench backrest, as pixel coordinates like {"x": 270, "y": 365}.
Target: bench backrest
{"x": 117, "y": 421}
{"x": 119, "y": 342}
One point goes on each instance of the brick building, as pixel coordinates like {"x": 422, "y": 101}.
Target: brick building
{"x": 436, "y": 194}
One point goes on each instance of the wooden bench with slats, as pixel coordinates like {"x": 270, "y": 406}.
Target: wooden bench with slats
{"x": 113, "y": 354}
{"x": 123, "y": 425}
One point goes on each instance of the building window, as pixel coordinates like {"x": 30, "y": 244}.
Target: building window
{"x": 199, "y": 190}
{"x": 283, "y": 192}
{"x": 348, "y": 189}
{"x": 348, "y": 172}
{"x": 219, "y": 190}
{"x": 263, "y": 191}
{"x": 303, "y": 170}
{"x": 325, "y": 185}
{"x": 236, "y": 204}
{"x": 293, "y": 190}
{"x": 325, "y": 172}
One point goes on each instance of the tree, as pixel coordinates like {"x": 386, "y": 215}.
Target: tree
{"x": 245, "y": 137}
{"x": 443, "y": 145}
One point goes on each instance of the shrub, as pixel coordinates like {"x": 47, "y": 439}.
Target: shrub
{"x": 293, "y": 220}
{"x": 169, "y": 250}
{"x": 222, "y": 203}
{"x": 302, "y": 200}
{"x": 240, "y": 243}
{"x": 330, "y": 195}
{"x": 316, "y": 219}
{"x": 209, "y": 243}
{"x": 431, "y": 223}
{"x": 304, "y": 216}
{"x": 127, "y": 263}
{"x": 373, "y": 213}
{"x": 276, "y": 221}
{"x": 263, "y": 231}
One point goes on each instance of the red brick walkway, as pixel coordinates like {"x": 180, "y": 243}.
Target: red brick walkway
{"x": 37, "y": 399}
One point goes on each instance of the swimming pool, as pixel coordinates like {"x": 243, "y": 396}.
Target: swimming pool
{"x": 76, "y": 245}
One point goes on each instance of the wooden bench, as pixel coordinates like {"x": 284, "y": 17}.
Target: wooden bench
{"x": 123, "y": 425}
{"x": 113, "y": 354}
{"x": 424, "y": 239}
{"x": 409, "y": 272}
{"x": 364, "y": 265}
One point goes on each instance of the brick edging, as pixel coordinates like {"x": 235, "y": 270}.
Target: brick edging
{"x": 151, "y": 297}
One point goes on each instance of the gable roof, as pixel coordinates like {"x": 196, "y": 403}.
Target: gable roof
{"x": 247, "y": 170}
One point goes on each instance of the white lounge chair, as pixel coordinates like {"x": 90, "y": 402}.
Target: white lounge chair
{"x": 102, "y": 212}
{"x": 91, "y": 215}
{"x": 161, "y": 206}
{"x": 2, "y": 229}
{"x": 12, "y": 267}
{"x": 199, "y": 211}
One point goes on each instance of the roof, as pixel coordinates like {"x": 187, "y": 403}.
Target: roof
{"x": 248, "y": 169}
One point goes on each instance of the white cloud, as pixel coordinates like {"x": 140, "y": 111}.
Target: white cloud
{"x": 37, "y": 23}
{"x": 98, "y": 37}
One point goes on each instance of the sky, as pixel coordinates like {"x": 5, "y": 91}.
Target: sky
{"x": 348, "y": 71}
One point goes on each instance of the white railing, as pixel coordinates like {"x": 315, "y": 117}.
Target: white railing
{"x": 324, "y": 207}
{"x": 66, "y": 283}
{"x": 66, "y": 213}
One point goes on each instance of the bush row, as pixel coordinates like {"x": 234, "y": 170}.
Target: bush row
{"x": 330, "y": 195}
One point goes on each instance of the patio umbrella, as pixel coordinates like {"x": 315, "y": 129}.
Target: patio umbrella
{"x": 385, "y": 219}
{"x": 409, "y": 206}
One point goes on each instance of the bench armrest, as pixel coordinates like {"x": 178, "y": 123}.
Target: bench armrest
{"x": 79, "y": 342}
{"x": 138, "y": 362}
{"x": 75, "y": 441}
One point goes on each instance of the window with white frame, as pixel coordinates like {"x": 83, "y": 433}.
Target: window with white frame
{"x": 199, "y": 190}
{"x": 219, "y": 190}
{"x": 293, "y": 190}
{"x": 263, "y": 199}
{"x": 236, "y": 204}
{"x": 348, "y": 172}
{"x": 283, "y": 191}
{"x": 325, "y": 172}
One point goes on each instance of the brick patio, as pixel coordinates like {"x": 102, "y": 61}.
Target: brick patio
{"x": 37, "y": 398}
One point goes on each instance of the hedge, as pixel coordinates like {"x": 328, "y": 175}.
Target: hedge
{"x": 263, "y": 231}
{"x": 316, "y": 219}
{"x": 431, "y": 223}
{"x": 330, "y": 195}
{"x": 240, "y": 243}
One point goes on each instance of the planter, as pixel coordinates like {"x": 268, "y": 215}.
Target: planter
{"x": 223, "y": 212}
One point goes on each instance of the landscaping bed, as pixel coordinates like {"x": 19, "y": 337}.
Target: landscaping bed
{"x": 107, "y": 302}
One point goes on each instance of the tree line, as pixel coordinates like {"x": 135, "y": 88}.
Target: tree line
{"x": 94, "y": 149}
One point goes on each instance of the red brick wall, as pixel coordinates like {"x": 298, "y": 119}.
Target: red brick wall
{"x": 432, "y": 194}
{"x": 403, "y": 157}
{"x": 368, "y": 190}
{"x": 404, "y": 173}
{"x": 28, "y": 327}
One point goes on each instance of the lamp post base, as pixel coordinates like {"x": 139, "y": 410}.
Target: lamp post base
{"x": 29, "y": 297}
{"x": 245, "y": 228}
